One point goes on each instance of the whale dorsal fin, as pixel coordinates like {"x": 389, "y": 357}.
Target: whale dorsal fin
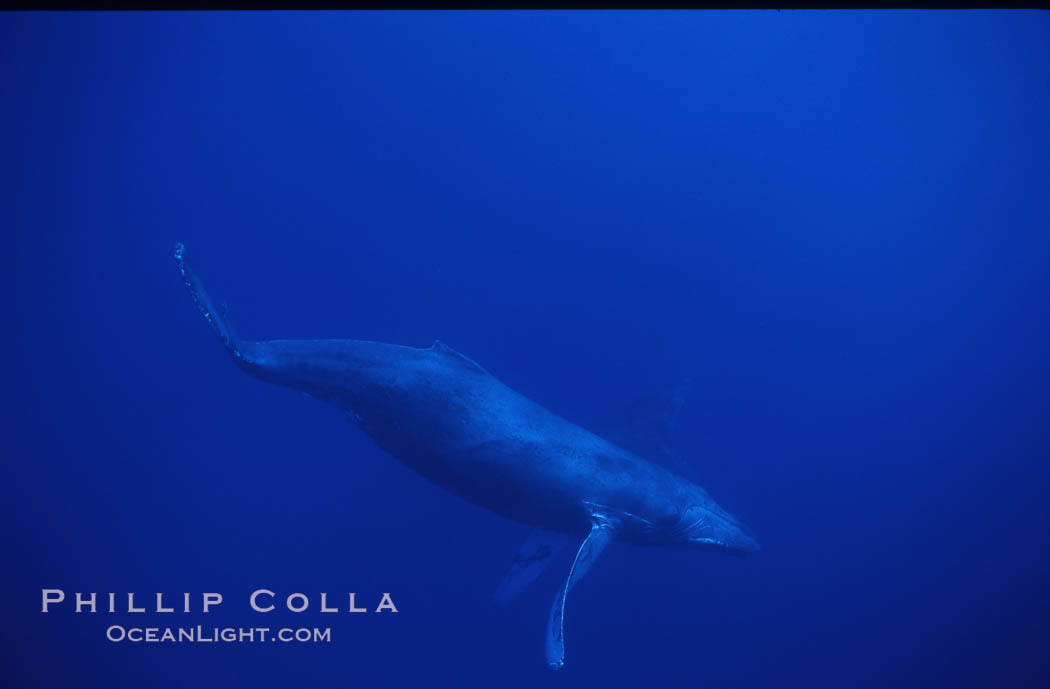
{"x": 533, "y": 556}
{"x": 456, "y": 357}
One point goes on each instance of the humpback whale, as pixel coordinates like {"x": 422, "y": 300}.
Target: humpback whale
{"x": 446, "y": 417}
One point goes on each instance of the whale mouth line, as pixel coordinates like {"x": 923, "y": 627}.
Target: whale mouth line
{"x": 716, "y": 529}
{"x": 684, "y": 529}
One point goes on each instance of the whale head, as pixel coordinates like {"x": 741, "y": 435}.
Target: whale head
{"x": 708, "y": 527}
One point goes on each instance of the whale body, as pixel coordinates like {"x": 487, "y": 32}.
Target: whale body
{"x": 450, "y": 420}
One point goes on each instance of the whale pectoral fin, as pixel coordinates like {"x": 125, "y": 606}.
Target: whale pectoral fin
{"x": 603, "y": 530}
{"x": 533, "y": 556}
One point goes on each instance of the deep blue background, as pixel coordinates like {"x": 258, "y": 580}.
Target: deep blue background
{"x": 838, "y": 222}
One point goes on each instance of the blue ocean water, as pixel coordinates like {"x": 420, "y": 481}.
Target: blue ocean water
{"x": 835, "y": 223}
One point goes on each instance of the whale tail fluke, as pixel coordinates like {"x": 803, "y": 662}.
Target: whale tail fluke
{"x": 215, "y": 318}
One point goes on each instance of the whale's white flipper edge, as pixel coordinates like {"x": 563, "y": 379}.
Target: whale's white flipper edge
{"x": 603, "y": 530}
